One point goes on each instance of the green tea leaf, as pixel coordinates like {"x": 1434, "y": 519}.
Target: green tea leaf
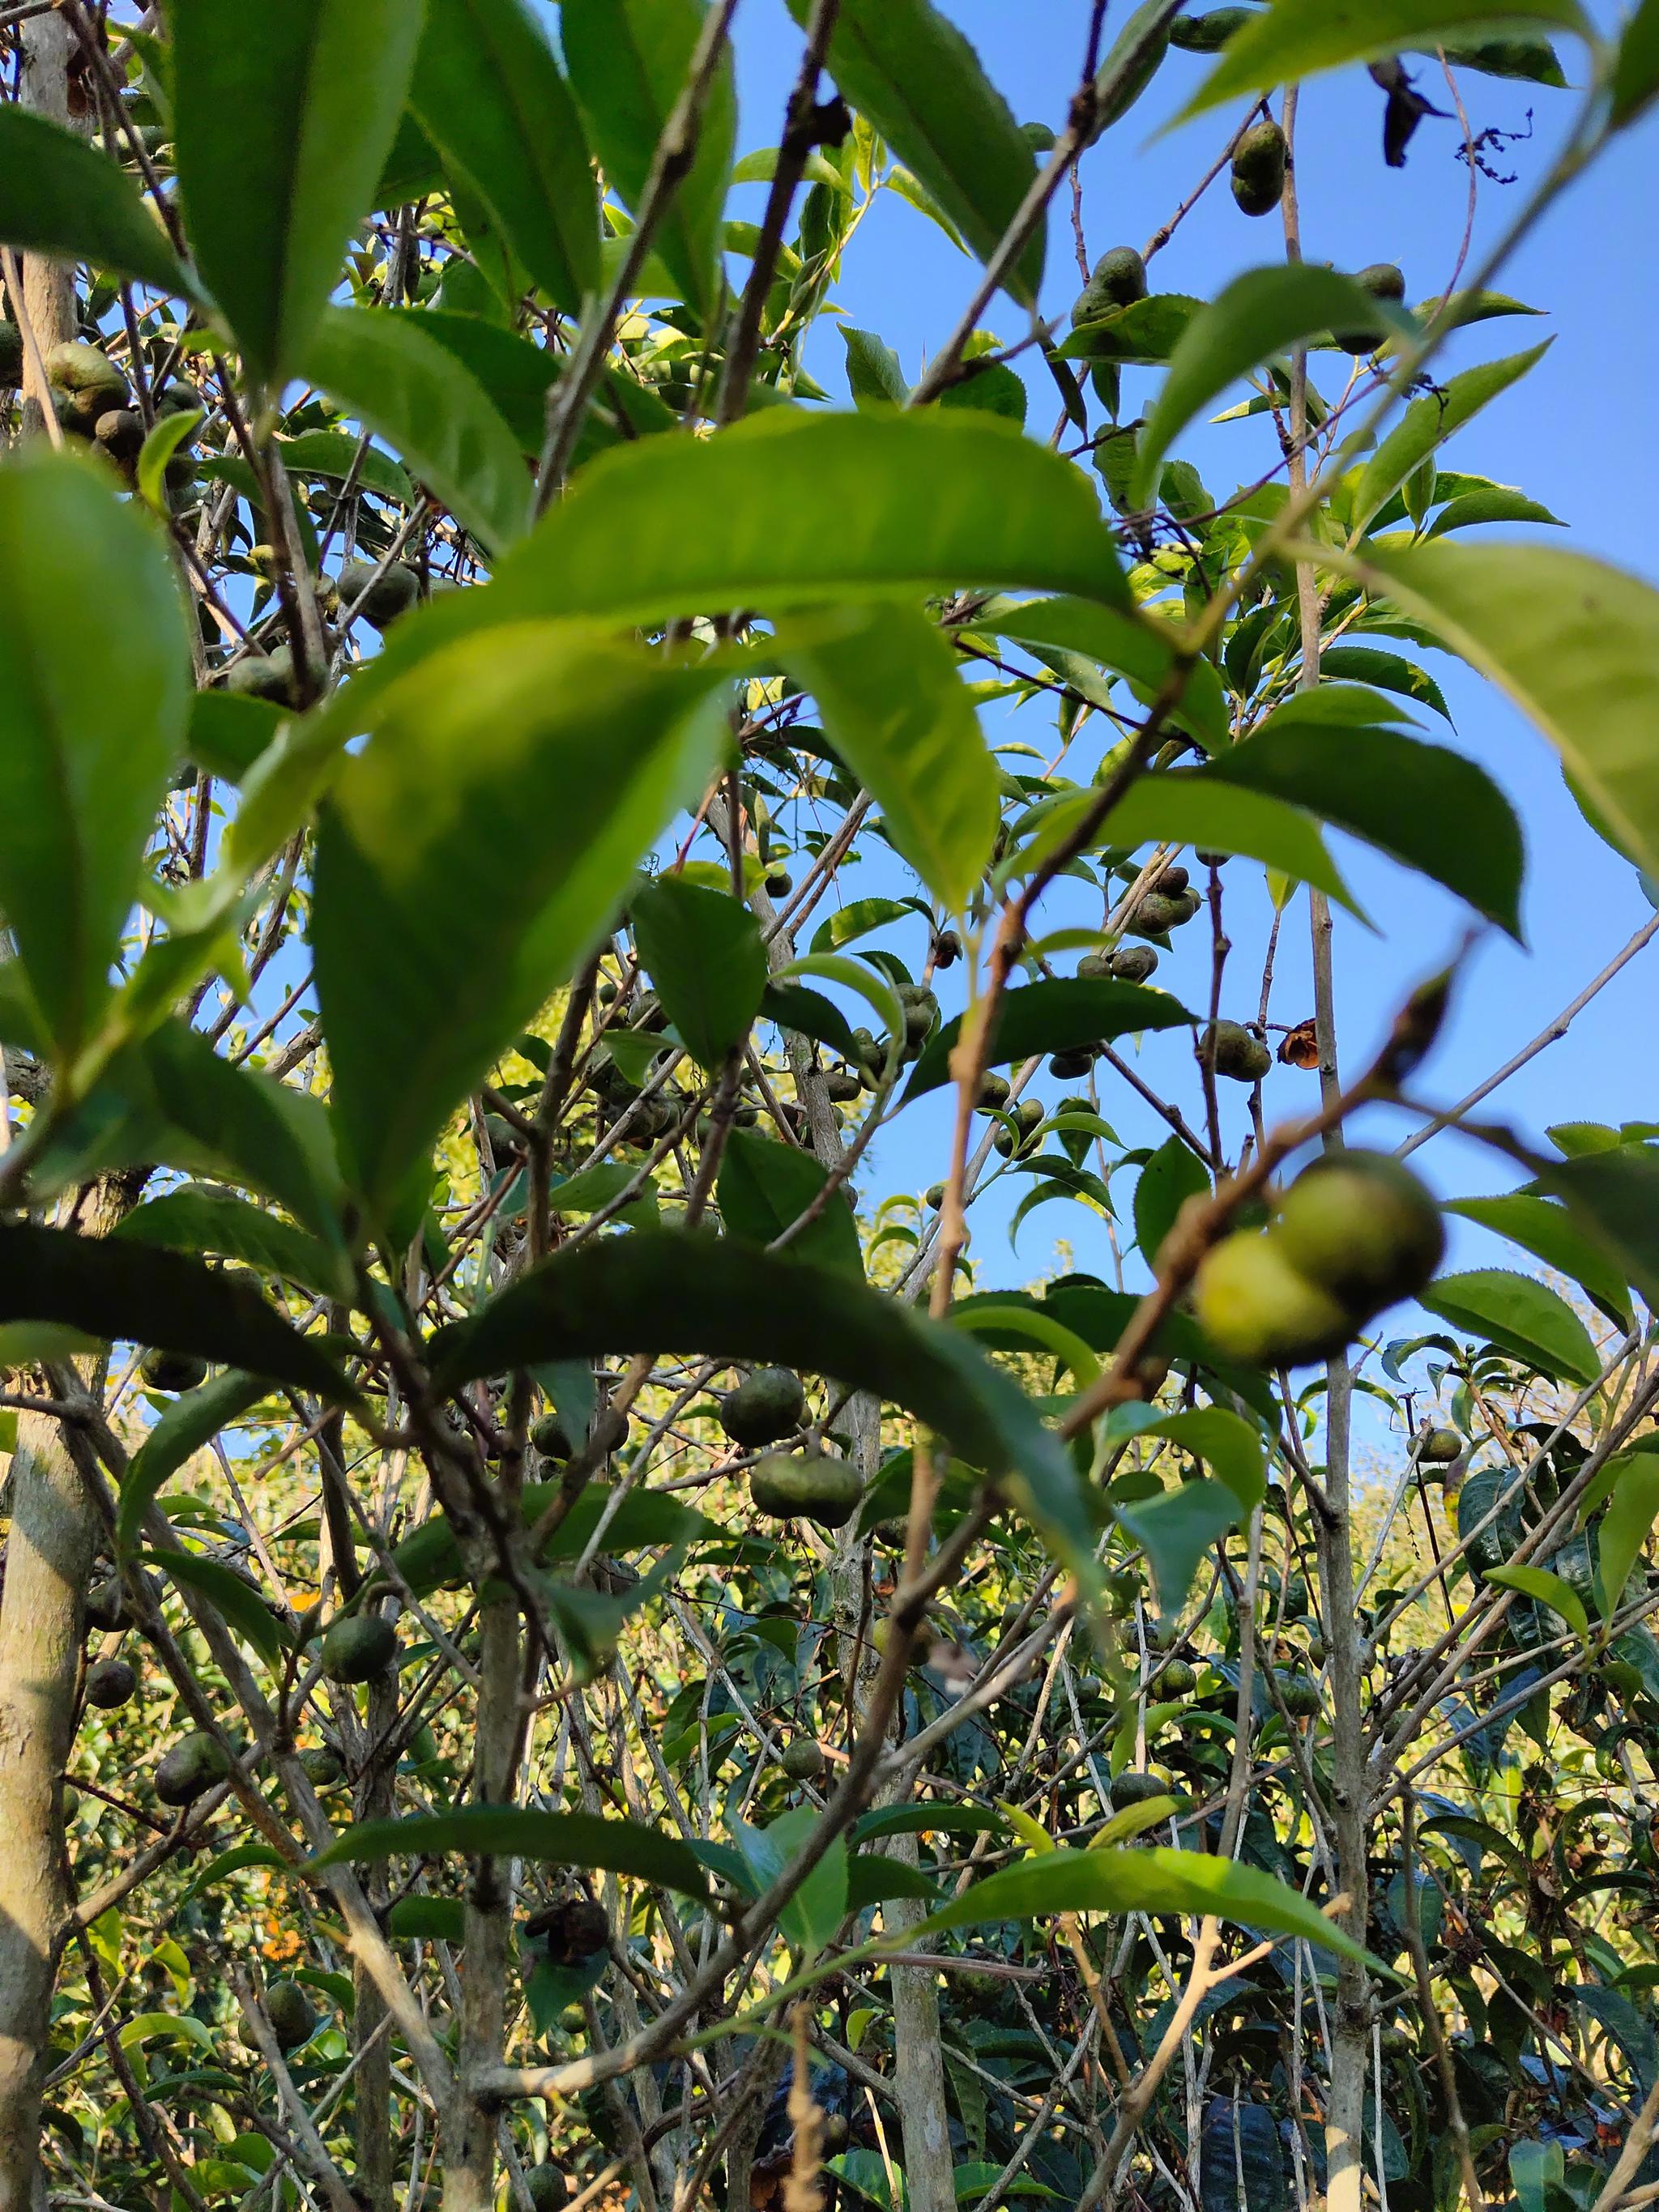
{"x": 1636, "y": 71}
{"x": 235, "y": 1602}
{"x": 534, "y": 764}
{"x": 1548, "y": 1589}
{"x": 112, "y": 1289}
{"x": 1192, "y": 806}
{"x": 1459, "y": 828}
{"x": 281, "y": 139}
{"x": 384, "y": 369}
{"x": 226, "y": 733}
{"x": 1172, "y": 1176}
{"x": 92, "y": 720}
{"x": 1575, "y": 644}
{"x": 809, "y": 1014}
{"x": 1615, "y": 1195}
{"x": 1151, "y": 1879}
{"x": 193, "y": 1220}
{"x": 628, "y": 60}
{"x": 1060, "y": 1016}
{"x": 1627, "y": 1524}
{"x": 1520, "y": 1316}
{"x": 1553, "y": 1235}
{"x": 765, "y": 1186}
{"x": 1298, "y": 38}
{"x": 1427, "y": 425}
{"x": 817, "y": 1908}
{"x": 911, "y": 72}
{"x": 703, "y": 950}
{"x": 570, "y": 1839}
{"x": 489, "y": 91}
{"x": 60, "y": 197}
{"x": 1175, "y": 1531}
{"x": 189, "y": 1423}
{"x": 1259, "y": 313}
{"x": 897, "y": 713}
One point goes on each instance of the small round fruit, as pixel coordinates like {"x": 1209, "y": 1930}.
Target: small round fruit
{"x": 1383, "y": 280}
{"x": 195, "y": 1763}
{"x": 842, "y": 1086}
{"x": 994, "y": 1089}
{"x": 106, "y": 1605}
{"x": 1362, "y": 1227}
{"x": 289, "y": 2012}
{"x": 1071, "y": 1067}
{"x": 1209, "y": 32}
{"x": 1301, "y": 1696}
{"x": 1259, "y": 161}
{"x": 358, "y": 1647}
{"x": 933, "y": 1197}
{"x": 1440, "y": 1447}
{"x": 1132, "y": 964}
{"x": 1117, "y": 280}
{"x": 806, "y": 1485}
{"x": 549, "y": 1437}
{"x": 378, "y": 599}
{"x": 1096, "y": 968}
{"x": 1178, "y": 1679}
{"x": 766, "y": 1407}
{"x": 261, "y": 676}
{"x": 803, "y": 1760}
{"x": 545, "y": 2184}
{"x": 1253, "y": 1306}
{"x": 322, "y": 1765}
{"x": 1038, "y": 136}
{"x": 1236, "y": 1052}
{"x": 91, "y": 383}
{"x": 1135, "y": 1789}
{"x": 1155, "y": 916}
{"x": 121, "y": 434}
{"x": 110, "y": 1684}
{"x": 173, "y": 1370}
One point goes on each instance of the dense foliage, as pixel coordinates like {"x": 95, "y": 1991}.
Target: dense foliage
{"x": 559, "y": 1639}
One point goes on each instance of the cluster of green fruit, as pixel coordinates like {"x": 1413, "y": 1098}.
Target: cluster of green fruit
{"x": 787, "y": 1485}
{"x": 1355, "y": 1232}
{"x": 93, "y": 401}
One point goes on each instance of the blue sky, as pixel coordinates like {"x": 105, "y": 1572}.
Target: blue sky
{"x": 1575, "y": 434}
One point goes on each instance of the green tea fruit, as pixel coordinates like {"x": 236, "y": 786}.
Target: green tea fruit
{"x": 1155, "y": 916}
{"x": 1038, "y": 136}
{"x": 173, "y": 1370}
{"x": 121, "y": 434}
{"x": 262, "y": 676}
{"x": 1383, "y": 280}
{"x": 90, "y": 380}
{"x": 1259, "y": 169}
{"x": 1209, "y": 32}
{"x": 289, "y": 2012}
{"x": 1177, "y": 1680}
{"x": 545, "y": 2183}
{"x": 803, "y": 1760}
{"x": 1301, "y": 1696}
{"x": 806, "y": 1487}
{"x": 1096, "y": 967}
{"x": 1253, "y": 1305}
{"x": 1118, "y": 280}
{"x": 1440, "y": 1447}
{"x": 323, "y": 1765}
{"x": 1362, "y": 1227}
{"x": 11, "y": 353}
{"x": 357, "y": 1646}
{"x": 842, "y": 1086}
{"x": 378, "y": 599}
{"x": 1070, "y": 1066}
{"x": 993, "y": 1091}
{"x": 549, "y": 1437}
{"x": 195, "y": 1763}
{"x": 110, "y": 1684}
{"x": 768, "y": 1406}
{"x": 1236, "y": 1052}
{"x": 1131, "y": 963}
{"x": 1135, "y": 1789}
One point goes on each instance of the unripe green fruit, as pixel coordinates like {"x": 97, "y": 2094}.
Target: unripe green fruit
{"x": 90, "y": 380}
{"x": 1178, "y": 1679}
{"x": 289, "y": 2012}
{"x": 195, "y": 1763}
{"x": 1038, "y": 136}
{"x": 262, "y": 676}
{"x": 1118, "y": 280}
{"x": 549, "y": 1437}
{"x": 121, "y": 434}
{"x": 378, "y": 599}
{"x": 1259, "y": 169}
{"x": 1135, "y": 1789}
{"x": 110, "y": 1684}
{"x": 1070, "y": 1066}
{"x": 1383, "y": 280}
{"x": 545, "y": 2184}
{"x": 1156, "y": 916}
{"x": 1208, "y": 34}
{"x": 173, "y": 1370}
{"x": 1132, "y": 964}
{"x": 842, "y": 1086}
{"x": 1362, "y": 1227}
{"x": 1234, "y": 1051}
{"x": 11, "y": 353}
{"x": 803, "y": 1760}
{"x": 933, "y": 1197}
{"x": 993, "y": 1091}
{"x": 1440, "y": 1447}
{"x": 1253, "y": 1306}
{"x": 1301, "y": 1696}
{"x": 921, "y": 1013}
{"x": 779, "y": 883}
{"x": 106, "y": 1605}
{"x": 1096, "y": 967}
{"x": 358, "y": 1647}
{"x": 322, "y": 1765}
{"x": 806, "y": 1485}
{"x": 768, "y": 1406}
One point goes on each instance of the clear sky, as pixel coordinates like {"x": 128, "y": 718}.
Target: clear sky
{"x": 1575, "y": 434}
